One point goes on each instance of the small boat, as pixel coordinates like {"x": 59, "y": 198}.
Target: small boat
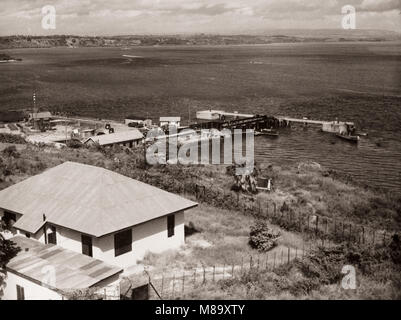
{"x": 348, "y": 137}
{"x": 267, "y": 132}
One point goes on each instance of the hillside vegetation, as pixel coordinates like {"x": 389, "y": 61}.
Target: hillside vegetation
{"x": 306, "y": 190}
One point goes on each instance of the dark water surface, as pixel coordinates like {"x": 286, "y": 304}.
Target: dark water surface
{"x": 358, "y": 82}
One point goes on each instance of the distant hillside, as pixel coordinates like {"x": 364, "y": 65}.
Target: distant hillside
{"x": 270, "y": 36}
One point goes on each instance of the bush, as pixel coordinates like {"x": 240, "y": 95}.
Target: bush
{"x": 11, "y": 151}
{"x": 262, "y": 237}
{"x": 11, "y": 138}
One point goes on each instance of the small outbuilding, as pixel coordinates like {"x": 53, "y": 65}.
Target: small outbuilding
{"x": 49, "y": 272}
{"x": 130, "y": 138}
{"x": 170, "y": 121}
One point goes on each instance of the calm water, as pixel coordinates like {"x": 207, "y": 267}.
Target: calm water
{"x": 358, "y": 82}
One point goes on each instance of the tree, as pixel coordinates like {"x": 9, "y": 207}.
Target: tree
{"x": 8, "y": 250}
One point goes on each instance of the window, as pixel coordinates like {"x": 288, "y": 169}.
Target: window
{"x": 86, "y": 245}
{"x": 52, "y": 238}
{"x": 170, "y": 225}
{"x": 122, "y": 242}
{"x": 27, "y": 234}
{"x": 20, "y": 293}
{"x": 9, "y": 219}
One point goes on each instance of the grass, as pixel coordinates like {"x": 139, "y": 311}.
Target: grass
{"x": 220, "y": 236}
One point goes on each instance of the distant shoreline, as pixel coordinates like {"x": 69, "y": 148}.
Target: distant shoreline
{"x": 205, "y": 45}
{"x": 70, "y": 41}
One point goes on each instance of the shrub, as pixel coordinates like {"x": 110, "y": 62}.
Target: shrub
{"x": 262, "y": 237}
{"x": 11, "y": 151}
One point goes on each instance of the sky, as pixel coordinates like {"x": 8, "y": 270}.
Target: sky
{"x": 123, "y": 17}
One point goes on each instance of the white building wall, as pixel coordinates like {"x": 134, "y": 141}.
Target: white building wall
{"x": 147, "y": 237}
{"x": 150, "y": 236}
{"x": 32, "y": 290}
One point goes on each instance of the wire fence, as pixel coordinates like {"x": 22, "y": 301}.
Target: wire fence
{"x": 313, "y": 226}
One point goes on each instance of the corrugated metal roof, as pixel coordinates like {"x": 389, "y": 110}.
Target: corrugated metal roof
{"x": 72, "y": 270}
{"x": 117, "y": 137}
{"x": 87, "y": 199}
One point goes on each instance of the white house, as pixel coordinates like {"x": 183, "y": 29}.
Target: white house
{"x": 49, "y": 272}
{"x": 170, "y": 121}
{"x": 137, "y": 121}
{"x": 96, "y": 212}
{"x": 129, "y": 138}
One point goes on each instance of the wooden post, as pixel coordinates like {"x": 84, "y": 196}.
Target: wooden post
{"x": 266, "y": 261}
{"x": 317, "y": 224}
{"x": 282, "y": 256}
{"x": 204, "y": 275}
{"x": 258, "y": 262}
{"x": 162, "y": 284}
{"x": 288, "y": 256}
{"x": 214, "y": 271}
{"x": 327, "y": 226}
{"x": 183, "y": 283}
{"x": 232, "y": 271}
{"x": 296, "y": 253}
{"x": 195, "y": 277}
{"x": 173, "y": 284}
{"x": 363, "y": 235}
{"x": 335, "y": 228}
{"x": 308, "y": 221}
{"x": 342, "y": 237}
{"x": 242, "y": 264}
{"x": 350, "y": 233}
{"x": 224, "y": 266}
{"x": 384, "y": 238}
{"x": 250, "y": 263}
{"x": 274, "y": 262}
{"x": 374, "y": 238}
{"x": 274, "y": 208}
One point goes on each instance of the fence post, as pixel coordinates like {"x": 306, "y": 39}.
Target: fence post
{"x": 173, "y": 284}
{"x": 183, "y": 283}
{"x": 363, "y": 235}
{"x": 274, "y": 262}
{"x": 267, "y": 261}
{"x": 317, "y": 224}
{"x": 224, "y": 266}
{"x": 250, "y": 263}
{"x": 232, "y": 272}
{"x": 350, "y": 233}
{"x": 342, "y": 237}
{"x": 296, "y": 253}
{"x": 162, "y": 284}
{"x": 374, "y": 237}
{"x": 282, "y": 256}
{"x": 242, "y": 264}
{"x": 288, "y": 256}
{"x": 308, "y": 221}
{"x": 258, "y": 262}
{"x": 204, "y": 275}
{"x": 335, "y": 228}
{"x": 195, "y": 277}
{"x": 214, "y": 270}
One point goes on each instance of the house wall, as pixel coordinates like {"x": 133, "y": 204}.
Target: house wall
{"x": 32, "y": 290}
{"x": 147, "y": 237}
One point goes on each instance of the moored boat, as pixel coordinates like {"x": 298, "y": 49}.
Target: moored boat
{"x": 349, "y": 138}
{"x": 267, "y": 132}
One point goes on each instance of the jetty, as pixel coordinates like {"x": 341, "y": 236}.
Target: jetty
{"x": 218, "y": 119}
